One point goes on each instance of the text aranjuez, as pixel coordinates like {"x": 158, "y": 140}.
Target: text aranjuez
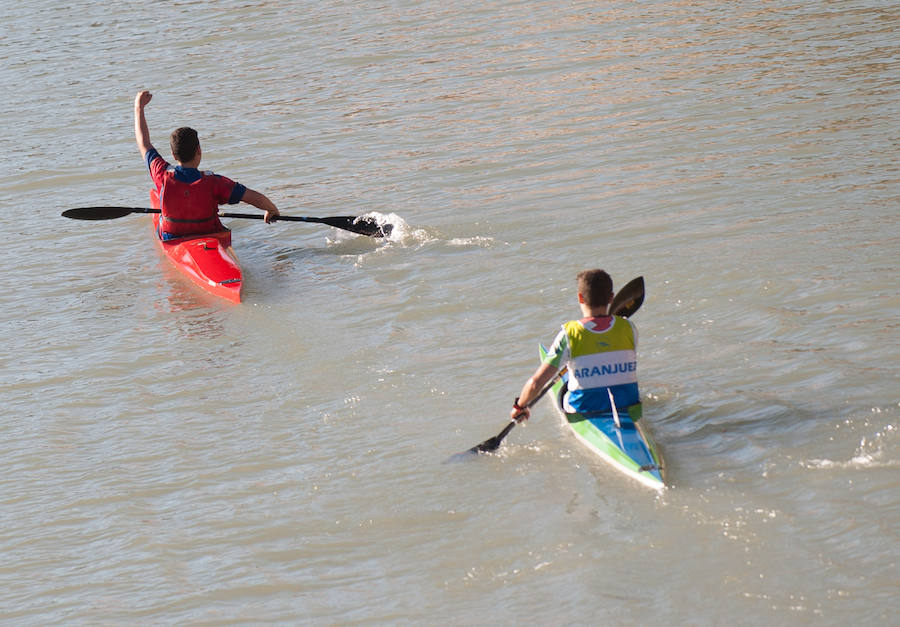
{"x": 606, "y": 369}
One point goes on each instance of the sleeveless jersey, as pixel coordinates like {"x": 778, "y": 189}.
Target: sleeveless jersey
{"x": 597, "y": 362}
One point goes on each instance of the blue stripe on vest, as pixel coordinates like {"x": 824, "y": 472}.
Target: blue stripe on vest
{"x": 597, "y": 400}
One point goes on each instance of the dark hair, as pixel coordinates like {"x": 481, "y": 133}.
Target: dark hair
{"x": 596, "y": 287}
{"x": 184, "y": 143}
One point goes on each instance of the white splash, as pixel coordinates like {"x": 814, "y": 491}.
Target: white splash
{"x": 404, "y": 235}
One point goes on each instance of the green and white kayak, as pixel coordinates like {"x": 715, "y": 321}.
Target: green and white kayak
{"x": 619, "y": 438}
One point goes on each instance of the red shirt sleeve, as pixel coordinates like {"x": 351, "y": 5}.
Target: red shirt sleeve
{"x": 226, "y": 191}
{"x": 157, "y": 166}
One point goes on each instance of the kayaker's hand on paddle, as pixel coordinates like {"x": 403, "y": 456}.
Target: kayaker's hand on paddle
{"x": 271, "y": 215}
{"x": 518, "y": 412}
{"x": 531, "y": 391}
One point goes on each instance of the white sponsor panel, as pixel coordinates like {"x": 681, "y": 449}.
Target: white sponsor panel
{"x": 603, "y": 370}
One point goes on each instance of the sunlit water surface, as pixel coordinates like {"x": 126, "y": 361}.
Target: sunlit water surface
{"x": 173, "y": 459}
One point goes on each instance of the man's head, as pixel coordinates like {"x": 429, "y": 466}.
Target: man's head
{"x": 595, "y": 288}
{"x": 185, "y": 144}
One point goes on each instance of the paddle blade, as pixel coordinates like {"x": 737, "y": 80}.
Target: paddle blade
{"x": 492, "y": 444}
{"x": 363, "y": 226}
{"x": 100, "y": 213}
{"x": 628, "y": 299}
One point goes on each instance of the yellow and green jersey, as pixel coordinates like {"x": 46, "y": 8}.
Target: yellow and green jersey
{"x": 599, "y": 358}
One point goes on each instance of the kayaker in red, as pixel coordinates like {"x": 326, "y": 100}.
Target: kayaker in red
{"x": 189, "y": 199}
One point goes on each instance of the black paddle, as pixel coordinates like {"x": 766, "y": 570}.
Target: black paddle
{"x": 626, "y": 301}
{"x": 363, "y": 226}
{"x": 492, "y": 444}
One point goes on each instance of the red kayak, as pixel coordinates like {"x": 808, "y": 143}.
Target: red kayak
{"x": 208, "y": 260}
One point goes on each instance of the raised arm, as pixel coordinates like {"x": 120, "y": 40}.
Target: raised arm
{"x": 260, "y": 201}
{"x": 141, "y": 132}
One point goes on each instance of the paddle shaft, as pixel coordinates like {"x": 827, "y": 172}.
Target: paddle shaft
{"x": 493, "y": 443}
{"x": 362, "y": 226}
{"x": 245, "y": 216}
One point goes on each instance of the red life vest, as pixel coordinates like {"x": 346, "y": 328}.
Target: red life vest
{"x": 190, "y": 208}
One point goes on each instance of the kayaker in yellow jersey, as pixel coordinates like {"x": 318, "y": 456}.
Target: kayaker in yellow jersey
{"x": 599, "y": 351}
{"x": 189, "y": 199}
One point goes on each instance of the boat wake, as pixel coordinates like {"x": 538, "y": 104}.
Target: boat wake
{"x": 402, "y": 234}
{"x": 871, "y": 453}
{"x": 858, "y": 462}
